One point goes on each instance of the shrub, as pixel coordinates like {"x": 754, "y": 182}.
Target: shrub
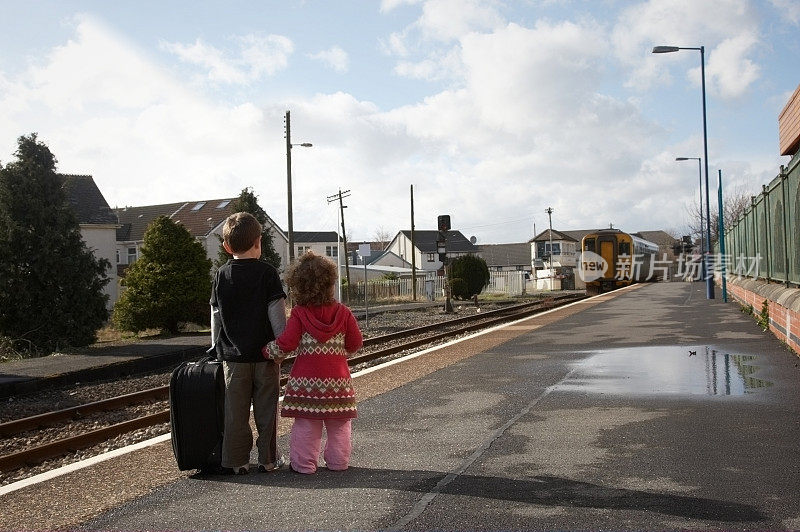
{"x": 468, "y": 276}
{"x": 169, "y": 284}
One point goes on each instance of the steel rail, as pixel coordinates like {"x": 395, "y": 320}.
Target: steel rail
{"x": 43, "y": 452}
{"x": 19, "y": 426}
{"x": 37, "y": 455}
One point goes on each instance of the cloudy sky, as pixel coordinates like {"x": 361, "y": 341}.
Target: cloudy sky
{"x": 492, "y": 110}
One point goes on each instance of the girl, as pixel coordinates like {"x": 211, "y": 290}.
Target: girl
{"x": 321, "y": 333}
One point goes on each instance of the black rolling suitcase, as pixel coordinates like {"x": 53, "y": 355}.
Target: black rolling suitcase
{"x": 197, "y": 411}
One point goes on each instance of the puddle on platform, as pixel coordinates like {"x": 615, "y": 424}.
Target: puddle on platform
{"x": 680, "y": 370}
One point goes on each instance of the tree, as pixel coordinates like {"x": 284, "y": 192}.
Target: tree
{"x": 169, "y": 284}
{"x": 383, "y": 236}
{"x": 468, "y": 276}
{"x": 51, "y": 285}
{"x": 735, "y": 202}
{"x": 248, "y": 202}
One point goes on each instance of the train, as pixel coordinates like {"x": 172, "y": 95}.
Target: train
{"x": 611, "y": 259}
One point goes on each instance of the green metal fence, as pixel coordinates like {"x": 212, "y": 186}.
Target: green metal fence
{"x": 765, "y": 241}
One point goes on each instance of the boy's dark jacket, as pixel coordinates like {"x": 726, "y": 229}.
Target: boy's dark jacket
{"x": 240, "y": 296}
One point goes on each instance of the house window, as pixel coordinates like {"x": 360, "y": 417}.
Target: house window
{"x": 302, "y": 249}
{"x": 543, "y": 249}
{"x": 132, "y": 255}
{"x": 431, "y": 257}
{"x": 198, "y": 206}
{"x": 223, "y": 204}
{"x": 332, "y": 251}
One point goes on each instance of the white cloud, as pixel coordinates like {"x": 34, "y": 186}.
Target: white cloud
{"x": 789, "y": 10}
{"x": 144, "y": 136}
{"x": 447, "y": 20}
{"x": 388, "y": 5}
{"x": 258, "y": 56}
{"x": 727, "y": 28}
{"x": 334, "y": 58}
{"x": 729, "y": 72}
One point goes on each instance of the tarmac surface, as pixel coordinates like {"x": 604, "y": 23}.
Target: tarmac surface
{"x": 651, "y": 408}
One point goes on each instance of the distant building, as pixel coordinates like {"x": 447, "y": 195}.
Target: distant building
{"x": 507, "y": 257}
{"x": 663, "y": 240}
{"x": 425, "y": 249}
{"x": 376, "y": 250}
{"x": 564, "y": 251}
{"x": 203, "y": 219}
{"x": 98, "y": 224}
{"x": 325, "y": 243}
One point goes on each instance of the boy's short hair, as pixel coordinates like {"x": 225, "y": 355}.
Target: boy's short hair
{"x": 241, "y": 231}
{"x": 311, "y": 279}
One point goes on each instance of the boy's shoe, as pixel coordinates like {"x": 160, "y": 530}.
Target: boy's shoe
{"x": 272, "y": 466}
{"x": 241, "y": 470}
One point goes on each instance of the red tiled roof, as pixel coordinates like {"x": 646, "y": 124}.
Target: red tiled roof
{"x": 198, "y": 217}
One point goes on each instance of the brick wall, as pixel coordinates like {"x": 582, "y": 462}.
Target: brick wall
{"x": 784, "y": 307}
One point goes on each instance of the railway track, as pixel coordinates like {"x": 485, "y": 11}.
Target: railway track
{"x": 377, "y": 347}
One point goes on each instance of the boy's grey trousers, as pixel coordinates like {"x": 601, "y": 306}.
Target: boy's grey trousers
{"x": 245, "y": 382}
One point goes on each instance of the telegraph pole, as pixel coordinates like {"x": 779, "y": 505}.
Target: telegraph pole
{"x": 339, "y": 197}
{"x": 413, "y": 252}
{"x": 290, "y": 227}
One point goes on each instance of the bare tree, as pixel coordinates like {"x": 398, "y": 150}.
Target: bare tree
{"x": 735, "y": 201}
{"x": 382, "y": 235}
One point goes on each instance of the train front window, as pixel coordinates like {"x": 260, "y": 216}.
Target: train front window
{"x": 588, "y": 244}
{"x": 625, "y": 248}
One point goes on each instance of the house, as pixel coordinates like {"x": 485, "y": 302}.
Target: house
{"x": 98, "y": 224}
{"x": 325, "y": 243}
{"x": 425, "y": 250}
{"x": 376, "y": 249}
{"x": 507, "y": 257}
{"x": 203, "y": 219}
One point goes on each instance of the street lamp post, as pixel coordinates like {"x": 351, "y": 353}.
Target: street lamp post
{"x": 702, "y": 239}
{"x": 290, "y": 228}
{"x": 707, "y": 250}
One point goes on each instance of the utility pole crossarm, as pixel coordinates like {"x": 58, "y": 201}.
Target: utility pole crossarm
{"x": 339, "y": 197}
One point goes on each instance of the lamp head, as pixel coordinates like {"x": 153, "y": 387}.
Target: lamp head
{"x": 665, "y": 49}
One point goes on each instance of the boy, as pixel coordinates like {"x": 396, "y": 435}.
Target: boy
{"x": 247, "y": 311}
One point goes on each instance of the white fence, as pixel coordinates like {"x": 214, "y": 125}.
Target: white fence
{"x": 432, "y": 287}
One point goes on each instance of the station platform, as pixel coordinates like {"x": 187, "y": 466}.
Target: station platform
{"x": 98, "y": 363}
{"x": 647, "y": 408}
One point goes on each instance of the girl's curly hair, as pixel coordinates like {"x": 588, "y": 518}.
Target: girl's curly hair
{"x": 311, "y": 279}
